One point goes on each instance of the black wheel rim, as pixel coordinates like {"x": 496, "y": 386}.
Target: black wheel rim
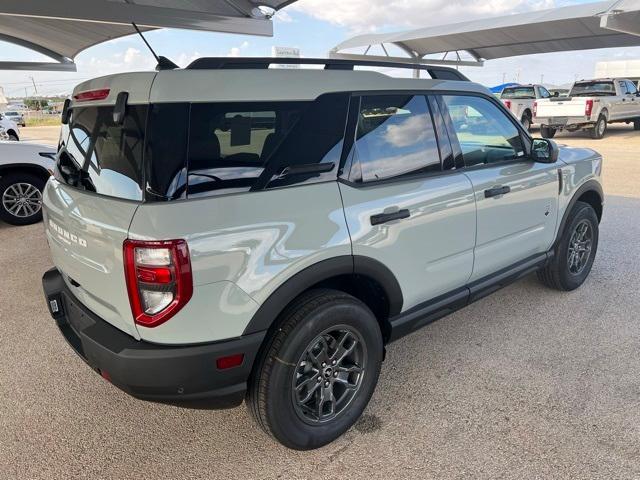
{"x": 580, "y": 245}
{"x": 329, "y": 374}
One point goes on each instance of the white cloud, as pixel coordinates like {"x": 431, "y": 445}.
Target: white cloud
{"x": 131, "y": 56}
{"x": 284, "y": 17}
{"x": 371, "y": 15}
{"x": 237, "y": 51}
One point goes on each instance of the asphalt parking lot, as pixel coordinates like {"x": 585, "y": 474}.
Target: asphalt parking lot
{"x": 526, "y": 383}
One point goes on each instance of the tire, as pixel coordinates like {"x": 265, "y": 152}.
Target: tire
{"x": 14, "y": 186}
{"x": 526, "y": 122}
{"x": 558, "y": 273}
{"x": 13, "y": 137}
{"x": 636, "y": 124}
{"x": 547, "y": 132}
{"x": 600, "y": 128}
{"x": 284, "y": 364}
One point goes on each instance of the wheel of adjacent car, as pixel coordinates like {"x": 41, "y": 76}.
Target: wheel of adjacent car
{"x": 319, "y": 370}
{"x": 547, "y": 132}
{"x": 526, "y": 121}
{"x": 13, "y": 137}
{"x": 636, "y": 124}
{"x": 21, "y": 198}
{"x": 575, "y": 250}
{"x": 600, "y": 128}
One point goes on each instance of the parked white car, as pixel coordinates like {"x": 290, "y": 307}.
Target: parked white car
{"x": 24, "y": 171}
{"x": 591, "y": 105}
{"x": 15, "y": 116}
{"x": 521, "y": 100}
{"x": 8, "y": 129}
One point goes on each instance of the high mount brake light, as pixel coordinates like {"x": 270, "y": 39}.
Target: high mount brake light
{"x": 159, "y": 279}
{"x": 588, "y": 107}
{"x": 91, "y": 95}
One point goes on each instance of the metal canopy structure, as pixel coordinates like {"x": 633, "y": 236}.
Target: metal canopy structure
{"x": 582, "y": 27}
{"x": 60, "y": 29}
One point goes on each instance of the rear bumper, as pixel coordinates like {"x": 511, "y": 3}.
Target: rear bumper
{"x": 569, "y": 123}
{"x": 180, "y": 374}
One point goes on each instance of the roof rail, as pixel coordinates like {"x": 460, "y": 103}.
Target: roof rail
{"x": 230, "y": 63}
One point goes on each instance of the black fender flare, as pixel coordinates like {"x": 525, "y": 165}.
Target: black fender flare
{"x": 318, "y": 272}
{"x": 589, "y": 185}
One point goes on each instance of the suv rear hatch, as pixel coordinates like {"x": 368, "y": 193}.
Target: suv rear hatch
{"x": 97, "y": 189}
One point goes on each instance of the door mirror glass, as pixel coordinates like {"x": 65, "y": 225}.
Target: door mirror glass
{"x": 544, "y": 150}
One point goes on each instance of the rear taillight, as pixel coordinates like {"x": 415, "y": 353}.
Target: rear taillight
{"x": 535, "y": 109}
{"x": 159, "y": 279}
{"x": 588, "y": 108}
{"x": 507, "y": 103}
{"x": 90, "y": 95}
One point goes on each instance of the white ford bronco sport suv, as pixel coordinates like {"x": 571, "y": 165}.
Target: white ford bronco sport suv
{"x": 231, "y": 231}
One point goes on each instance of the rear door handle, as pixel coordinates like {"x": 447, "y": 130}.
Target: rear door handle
{"x": 387, "y": 217}
{"x": 494, "y": 192}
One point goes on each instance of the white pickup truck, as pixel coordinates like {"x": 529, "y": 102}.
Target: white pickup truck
{"x": 521, "y": 100}
{"x": 591, "y": 105}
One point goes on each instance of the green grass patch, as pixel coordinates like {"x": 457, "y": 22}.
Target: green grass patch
{"x": 48, "y": 121}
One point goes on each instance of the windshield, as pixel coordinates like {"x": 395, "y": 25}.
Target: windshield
{"x": 518, "y": 92}
{"x": 586, "y": 89}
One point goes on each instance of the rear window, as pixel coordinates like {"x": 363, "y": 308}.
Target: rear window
{"x": 592, "y": 89}
{"x": 518, "y": 92}
{"x": 102, "y": 156}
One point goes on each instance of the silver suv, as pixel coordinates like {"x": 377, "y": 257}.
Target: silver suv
{"x": 232, "y": 231}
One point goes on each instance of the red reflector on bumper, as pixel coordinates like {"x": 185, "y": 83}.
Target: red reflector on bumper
{"x": 230, "y": 361}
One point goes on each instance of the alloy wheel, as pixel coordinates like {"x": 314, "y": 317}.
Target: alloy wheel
{"x": 22, "y": 200}
{"x": 329, "y": 374}
{"x": 580, "y": 245}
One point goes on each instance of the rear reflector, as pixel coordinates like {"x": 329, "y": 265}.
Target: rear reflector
{"x": 90, "y": 95}
{"x": 159, "y": 280}
{"x": 230, "y": 361}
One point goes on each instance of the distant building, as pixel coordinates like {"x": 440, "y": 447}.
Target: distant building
{"x": 619, "y": 68}
{"x": 285, "y": 52}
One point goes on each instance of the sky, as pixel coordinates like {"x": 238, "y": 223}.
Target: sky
{"x": 315, "y": 26}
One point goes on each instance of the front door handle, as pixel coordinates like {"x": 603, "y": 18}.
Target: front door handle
{"x": 387, "y": 217}
{"x": 494, "y": 192}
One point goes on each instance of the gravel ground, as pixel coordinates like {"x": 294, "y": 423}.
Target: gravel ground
{"x": 526, "y": 383}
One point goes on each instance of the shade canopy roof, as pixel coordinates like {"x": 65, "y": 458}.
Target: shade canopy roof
{"x": 60, "y": 29}
{"x": 588, "y": 26}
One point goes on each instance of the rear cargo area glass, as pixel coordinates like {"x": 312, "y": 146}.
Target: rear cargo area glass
{"x": 105, "y": 157}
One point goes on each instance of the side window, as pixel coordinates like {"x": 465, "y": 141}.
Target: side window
{"x": 485, "y": 133}
{"x": 631, "y": 87}
{"x": 624, "y": 89}
{"x": 395, "y": 137}
{"x": 230, "y": 143}
{"x": 544, "y": 93}
{"x": 316, "y": 138}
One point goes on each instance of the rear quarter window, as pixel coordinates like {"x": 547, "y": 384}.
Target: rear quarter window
{"x": 239, "y": 147}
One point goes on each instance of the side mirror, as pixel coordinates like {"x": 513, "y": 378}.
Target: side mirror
{"x": 544, "y": 150}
